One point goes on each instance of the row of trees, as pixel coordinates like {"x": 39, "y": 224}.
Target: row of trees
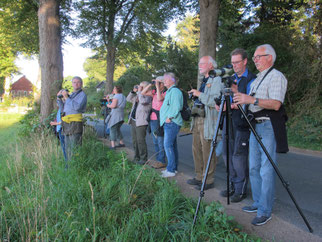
{"x": 128, "y": 33}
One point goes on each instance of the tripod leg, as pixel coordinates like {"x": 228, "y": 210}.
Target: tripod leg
{"x": 285, "y": 184}
{"x": 213, "y": 145}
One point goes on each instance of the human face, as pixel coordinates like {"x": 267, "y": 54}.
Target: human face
{"x": 168, "y": 82}
{"x": 77, "y": 84}
{"x": 239, "y": 64}
{"x": 205, "y": 66}
{"x": 262, "y": 60}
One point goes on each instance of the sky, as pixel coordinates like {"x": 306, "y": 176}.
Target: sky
{"x": 74, "y": 57}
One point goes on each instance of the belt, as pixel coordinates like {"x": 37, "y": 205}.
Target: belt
{"x": 261, "y": 119}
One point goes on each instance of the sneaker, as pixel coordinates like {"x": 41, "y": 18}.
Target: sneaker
{"x": 158, "y": 165}
{"x": 193, "y": 181}
{"x": 168, "y": 174}
{"x": 236, "y": 198}
{"x": 207, "y": 186}
{"x": 249, "y": 209}
{"x": 261, "y": 220}
{"x": 166, "y": 170}
{"x": 224, "y": 193}
{"x": 120, "y": 145}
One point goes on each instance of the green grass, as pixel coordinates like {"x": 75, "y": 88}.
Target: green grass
{"x": 101, "y": 197}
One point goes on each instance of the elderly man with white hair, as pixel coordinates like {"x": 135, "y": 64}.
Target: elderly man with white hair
{"x": 204, "y": 122}
{"x": 265, "y": 102}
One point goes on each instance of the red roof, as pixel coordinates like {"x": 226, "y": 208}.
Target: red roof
{"x": 23, "y": 84}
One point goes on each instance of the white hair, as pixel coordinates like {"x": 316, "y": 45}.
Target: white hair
{"x": 268, "y": 50}
{"x": 171, "y": 75}
{"x": 213, "y": 62}
{"x": 159, "y": 78}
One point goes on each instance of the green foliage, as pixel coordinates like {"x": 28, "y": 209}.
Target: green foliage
{"x": 133, "y": 76}
{"x": 19, "y": 101}
{"x": 93, "y": 97}
{"x": 101, "y": 196}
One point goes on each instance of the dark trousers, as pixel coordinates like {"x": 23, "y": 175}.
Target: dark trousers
{"x": 71, "y": 141}
{"x": 238, "y": 158}
{"x": 138, "y": 140}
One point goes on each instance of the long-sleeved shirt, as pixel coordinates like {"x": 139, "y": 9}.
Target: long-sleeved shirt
{"x": 74, "y": 104}
{"x": 172, "y": 105}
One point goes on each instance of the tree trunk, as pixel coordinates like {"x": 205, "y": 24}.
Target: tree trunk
{"x": 110, "y": 67}
{"x": 50, "y": 54}
{"x": 209, "y": 13}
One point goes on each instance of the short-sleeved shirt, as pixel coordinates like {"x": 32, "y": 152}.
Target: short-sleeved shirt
{"x": 156, "y": 104}
{"x": 272, "y": 87}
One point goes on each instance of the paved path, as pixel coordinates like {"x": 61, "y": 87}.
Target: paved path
{"x": 303, "y": 172}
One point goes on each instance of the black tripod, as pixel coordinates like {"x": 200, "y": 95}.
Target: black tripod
{"x": 225, "y": 98}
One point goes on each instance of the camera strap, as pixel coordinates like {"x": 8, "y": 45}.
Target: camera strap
{"x": 253, "y": 93}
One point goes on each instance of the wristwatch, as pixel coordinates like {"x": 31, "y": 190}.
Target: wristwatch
{"x": 256, "y": 102}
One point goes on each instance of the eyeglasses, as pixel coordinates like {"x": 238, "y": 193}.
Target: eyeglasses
{"x": 257, "y": 57}
{"x": 236, "y": 62}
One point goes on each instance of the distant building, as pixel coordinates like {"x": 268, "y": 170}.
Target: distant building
{"x": 100, "y": 86}
{"x": 21, "y": 88}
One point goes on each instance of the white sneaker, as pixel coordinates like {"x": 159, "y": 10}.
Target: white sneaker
{"x": 168, "y": 174}
{"x": 166, "y": 170}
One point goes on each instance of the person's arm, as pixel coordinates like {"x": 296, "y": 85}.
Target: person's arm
{"x": 160, "y": 96}
{"x": 147, "y": 91}
{"x": 144, "y": 100}
{"x": 176, "y": 104}
{"x": 113, "y": 104}
{"x": 241, "y": 98}
{"x": 77, "y": 103}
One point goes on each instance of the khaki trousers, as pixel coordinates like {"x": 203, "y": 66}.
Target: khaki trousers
{"x": 201, "y": 150}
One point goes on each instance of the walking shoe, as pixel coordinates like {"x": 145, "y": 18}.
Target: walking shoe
{"x": 168, "y": 174}
{"x": 224, "y": 193}
{"x": 158, "y": 165}
{"x": 249, "y": 209}
{"x": 193, "y": 181}
{"x": 207, "y": 186}
{"x": 261, "y": 220}
{"x": 166, "y": 170}
{"x": 236, "y": 198}
{"x": 120, "y": 145}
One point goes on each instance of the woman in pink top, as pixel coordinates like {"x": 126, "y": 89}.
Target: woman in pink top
{"x": 158, "y": 96}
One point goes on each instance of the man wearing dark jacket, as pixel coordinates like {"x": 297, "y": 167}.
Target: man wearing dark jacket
{"x": 239, "y": 135}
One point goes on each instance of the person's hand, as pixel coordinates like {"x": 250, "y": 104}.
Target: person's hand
{"x": 52, "y": 123}
{"x": 217, "y": 107}
{"x": 135, "y": 88}
{"x": 234, "y": 88}
{"x": 65, "y": 94}
{"x": 59, "y": 93}
{"x": 140, "y": 88}
{"x": 233, "y": 106}
{"x": 194, "y": 92}
{"x": 241, "y": 98}
{"x": 168, "y": 120}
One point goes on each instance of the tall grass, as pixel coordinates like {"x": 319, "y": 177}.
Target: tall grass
{"x": 101, "y": 196}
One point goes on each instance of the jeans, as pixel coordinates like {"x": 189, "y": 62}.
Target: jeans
{"x": 62, "y": 144}
{"x": 158, "y": 142}
{"x": 261, "y": 172}
{"x": 170, "y": 145}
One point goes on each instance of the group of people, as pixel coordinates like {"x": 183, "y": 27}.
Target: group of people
{"x": 159, "y": 110}
{"x": 261, "y": 97}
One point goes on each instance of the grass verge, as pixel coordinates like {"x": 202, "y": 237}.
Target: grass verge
{"x": 101, "y": 197}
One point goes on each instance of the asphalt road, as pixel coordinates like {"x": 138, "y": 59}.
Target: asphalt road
{"x": 302, "y": 172}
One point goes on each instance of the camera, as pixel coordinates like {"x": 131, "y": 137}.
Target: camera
{"x": 223, "y": 72}
{"x": 192, "y": 97}
{"x": 136, "y": 86}
{"x": 61, "y": 95}
{"x": 103, "y": 102}
{"x": 153, "y": 82}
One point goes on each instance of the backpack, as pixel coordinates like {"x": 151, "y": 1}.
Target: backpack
{"x": 185, "y": 111}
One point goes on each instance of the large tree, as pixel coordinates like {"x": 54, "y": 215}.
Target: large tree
{"x": 110, "y": 25}
{"x": 50, "y": 54}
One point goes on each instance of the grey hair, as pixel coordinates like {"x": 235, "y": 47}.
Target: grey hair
{"x": 213, "y": 62}
{"x": 78, "y": 78}
{"x": 160, "y": 78}
{"x": 171, "y": 75}
{"x": 269, "y": 50}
